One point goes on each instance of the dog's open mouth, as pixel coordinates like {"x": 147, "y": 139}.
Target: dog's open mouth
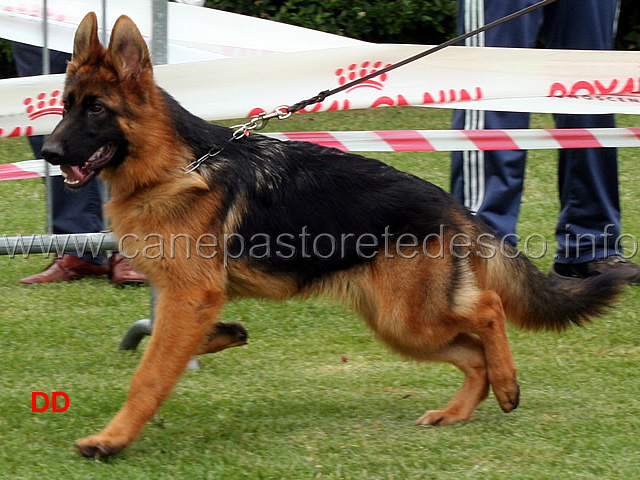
{"x": 76, "y": 176}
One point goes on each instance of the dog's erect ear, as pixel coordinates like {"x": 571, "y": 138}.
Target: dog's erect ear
{"x": 86, "y": 43}
{"x": 127, "y": 51}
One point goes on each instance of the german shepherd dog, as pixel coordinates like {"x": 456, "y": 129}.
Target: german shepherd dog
{"x": 289, "y": 219}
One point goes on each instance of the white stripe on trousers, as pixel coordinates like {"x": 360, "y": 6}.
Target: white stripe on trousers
{"x": 473, "y": 161}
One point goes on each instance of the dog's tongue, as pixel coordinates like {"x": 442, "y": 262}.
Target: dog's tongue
{"x": 72, "y": 174}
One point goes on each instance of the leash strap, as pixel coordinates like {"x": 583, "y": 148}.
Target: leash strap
{"x": 326, "y": 93}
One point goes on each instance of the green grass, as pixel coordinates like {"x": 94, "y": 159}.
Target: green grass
{"x": 286, "y": 406}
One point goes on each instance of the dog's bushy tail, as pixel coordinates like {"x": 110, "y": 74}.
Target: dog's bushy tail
{"x": 535, "y": 301}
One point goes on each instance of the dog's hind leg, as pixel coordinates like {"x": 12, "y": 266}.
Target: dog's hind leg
{"x": 183, "y": 319}
{"x": 467, "y": 353}
{"x": 488, "y": 322}
{"x": 482, "y": 352}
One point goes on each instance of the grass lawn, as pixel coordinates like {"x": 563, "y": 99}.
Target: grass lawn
{"x": 287, "y": 406}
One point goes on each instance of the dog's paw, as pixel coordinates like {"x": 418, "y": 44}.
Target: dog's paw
{"x": 440, "y": 418}
{"x": 98, "y": 446}
{"x": 508, "y": 397}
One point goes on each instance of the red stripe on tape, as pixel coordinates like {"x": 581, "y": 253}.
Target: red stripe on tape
{"x": 575, "y": 138}
{"x": 406, "y": 141}
{"x": 11, "y": 172}
{"x": 491, "y": 139}
{"x": 635, "y": 131}
{"x": 321, "y": 138}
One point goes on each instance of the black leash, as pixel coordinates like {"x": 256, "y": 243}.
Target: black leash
{"x": 326, "y": 93}
{"x": 260, "y": 121}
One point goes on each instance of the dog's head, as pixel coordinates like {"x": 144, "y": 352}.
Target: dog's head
{"x": 102, "y": 91}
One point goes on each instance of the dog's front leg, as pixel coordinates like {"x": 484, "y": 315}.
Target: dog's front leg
{"x": 183, "y": 318}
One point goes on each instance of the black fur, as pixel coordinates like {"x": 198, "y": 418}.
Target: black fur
{"x": 337, "y": 210}
{"x": 94, "y": 125}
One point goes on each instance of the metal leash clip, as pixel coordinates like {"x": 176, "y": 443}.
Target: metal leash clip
{"x": 259, "y": 122}
{"x": 195, "y": 164}
{"x": 256, "y": 123}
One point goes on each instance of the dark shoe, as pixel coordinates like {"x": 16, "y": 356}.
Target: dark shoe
{"x": 628, "y": 270}
{"x": 67, "y": 268}
{"x": 122, "y": 273}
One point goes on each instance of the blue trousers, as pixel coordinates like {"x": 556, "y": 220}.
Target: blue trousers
{"x": 72, "y": 211}
{"x": 490, "y": 183}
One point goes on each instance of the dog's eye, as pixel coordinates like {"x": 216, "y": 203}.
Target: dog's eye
{"x": 96, "y": 108}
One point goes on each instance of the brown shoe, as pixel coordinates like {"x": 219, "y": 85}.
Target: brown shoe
{"x": 122, "y": 273}
{"x": 626, "y": 269}
{"x": 66, "y": 268}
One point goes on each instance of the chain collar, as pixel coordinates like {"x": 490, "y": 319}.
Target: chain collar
{"x": 239, "y": 131}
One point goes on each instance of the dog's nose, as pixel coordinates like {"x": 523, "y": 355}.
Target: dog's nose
{"x": 53, "y": 152}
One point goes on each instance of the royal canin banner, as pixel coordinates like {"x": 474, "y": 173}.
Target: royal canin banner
{"x": 259, "y": 65}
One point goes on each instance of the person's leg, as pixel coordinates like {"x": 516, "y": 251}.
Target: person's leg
{"x": 72, "y": 212}
{"x": 490, "y": 183}
{"x": 587, "y": 178}
{"x": 589, "y": 221}
{"x": 78, "y": 212}
{"x": 28, "y": 59}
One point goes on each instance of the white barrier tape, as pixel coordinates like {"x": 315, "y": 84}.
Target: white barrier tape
{"x": 26, "y": 169}
{"x": 453, "y": 140}
{"x": 243, "y": 87}
{"x": 193, "y": 33}
{"x": 420, "y": 141}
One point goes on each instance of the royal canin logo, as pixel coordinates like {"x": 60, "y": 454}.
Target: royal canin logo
{"x": 36, "y": 107}
{"x": 44, "y": 104}
{"x": 355, "y": 71}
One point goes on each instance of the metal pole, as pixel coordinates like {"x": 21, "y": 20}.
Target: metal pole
{"x": 139, "y": 329}
{"x": 159, "y": 32}
{"x": 104, "y": 38}
{"x": 104, "y": 188}
{"x": 46, "y": 70}
{"x": 46, "y": 65}
{"x": 62, "y": 243}
{"x": 159, "y": 56}
{"x": 135, "y": 334}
